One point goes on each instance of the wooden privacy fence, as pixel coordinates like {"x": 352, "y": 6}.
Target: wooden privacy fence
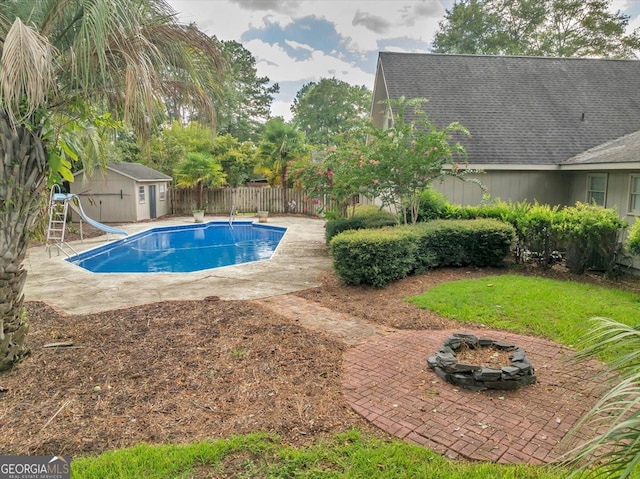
{"x": 246, "y": 200}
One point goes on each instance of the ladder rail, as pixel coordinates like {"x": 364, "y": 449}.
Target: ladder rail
{"x": 58, "y": 212}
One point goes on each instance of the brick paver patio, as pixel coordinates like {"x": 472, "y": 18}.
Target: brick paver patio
{"x": 386, "y": 379}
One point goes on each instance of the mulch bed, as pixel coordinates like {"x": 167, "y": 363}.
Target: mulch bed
{"x": 170, "y": 372}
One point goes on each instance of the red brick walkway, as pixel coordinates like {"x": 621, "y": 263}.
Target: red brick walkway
{"x": 386, "y": 379}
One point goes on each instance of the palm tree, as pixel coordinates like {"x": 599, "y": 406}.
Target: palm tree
{"x": 280, "y": 144}
{"x": 199, "y": 170}
{"x": 69, "y": 62}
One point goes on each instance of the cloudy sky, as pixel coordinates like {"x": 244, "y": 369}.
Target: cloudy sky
{"x": 298, "y": 41}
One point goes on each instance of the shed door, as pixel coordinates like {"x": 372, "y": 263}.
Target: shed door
{"x": 152, "y": 201}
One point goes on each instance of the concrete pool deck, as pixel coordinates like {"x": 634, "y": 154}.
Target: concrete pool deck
{"x": 297, "y": 264}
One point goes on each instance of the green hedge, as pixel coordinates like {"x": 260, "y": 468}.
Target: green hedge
{"x": 480, "y": 242}
{"x": 633, "y": 240}
{"x": 366, "y": 216}
{"x": 590, "y": 235}
{"x": 377, "y": 257}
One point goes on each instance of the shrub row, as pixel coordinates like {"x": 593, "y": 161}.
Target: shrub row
{"x": 379, "y": 256}
{"x": 588, "y": 235}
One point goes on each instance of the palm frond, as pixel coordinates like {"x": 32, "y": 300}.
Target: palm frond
{"x": 26, "y": 70}
{"x": 612, "y": 426}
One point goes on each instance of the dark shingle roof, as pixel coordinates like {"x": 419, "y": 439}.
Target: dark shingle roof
{"x": 620, "y": 150}
{"x": 138, "y": 172}
{"x": 521, "y": 110}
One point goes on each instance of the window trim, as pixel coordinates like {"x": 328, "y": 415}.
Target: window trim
{"x": 631, "y": 211}
{"x": 142, "y": 194}
{"x": 162, "y": 191}
{"x": 590, "y": 190}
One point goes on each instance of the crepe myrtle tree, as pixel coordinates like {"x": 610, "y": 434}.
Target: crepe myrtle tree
{"x": 396, "y": 164}
{"x": 70, "y": 63}
{"x": 336, "y": 177}
{"x": 410, "y": 155}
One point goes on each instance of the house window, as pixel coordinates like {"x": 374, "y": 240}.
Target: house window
{"x": 162, "y": 191}
{"x": 141, "y": 197}
{"x": 634, "y": 195}
{"x": 597, "y": 189}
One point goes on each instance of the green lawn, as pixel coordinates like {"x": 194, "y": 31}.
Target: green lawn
{"x": 347, "y": 455}
{"x": 557, "y": 310}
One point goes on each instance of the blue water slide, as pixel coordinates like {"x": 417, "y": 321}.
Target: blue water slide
{"x": 78, "y": 209}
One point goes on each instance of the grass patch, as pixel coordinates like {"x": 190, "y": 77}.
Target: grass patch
{"x": 347, "y": 455}
{"x": 557, "y": 310}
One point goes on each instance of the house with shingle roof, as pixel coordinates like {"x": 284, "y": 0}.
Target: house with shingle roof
{"x": 555, "y": 130}
{"x": 123, "y": 192}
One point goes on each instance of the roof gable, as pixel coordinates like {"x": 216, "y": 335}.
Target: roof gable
{"x": 520, "y": 110}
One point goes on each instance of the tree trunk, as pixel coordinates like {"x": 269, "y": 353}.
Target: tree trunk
{"x": 22, "y": 179}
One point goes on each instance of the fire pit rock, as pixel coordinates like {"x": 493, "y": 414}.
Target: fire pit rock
{"x": 476, "y": 377}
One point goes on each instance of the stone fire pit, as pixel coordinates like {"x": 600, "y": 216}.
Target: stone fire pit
{"x": 518, "y": 373}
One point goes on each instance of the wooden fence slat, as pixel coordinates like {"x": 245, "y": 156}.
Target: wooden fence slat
{"x": 246, "y": 200}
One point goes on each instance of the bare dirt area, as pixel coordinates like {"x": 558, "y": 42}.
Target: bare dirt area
{"x": 190, "y": 370}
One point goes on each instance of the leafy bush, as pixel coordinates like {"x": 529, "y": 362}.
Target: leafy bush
{"x": 536, "y": 227}
{"x": 373, "y": 211}
{"x": 590, "y": 234}
{"x": 380, "y": 256}
{"x": 480, "y": 242}
{"x": 365, "y": 216}
{"x": 633, "y": 240}
{"x": 433, "y": 205}
{"x": 374, "y": 257}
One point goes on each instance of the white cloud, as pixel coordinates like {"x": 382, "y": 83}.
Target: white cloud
{"x": 282, "y": 6}
{"x": 301, "y": 46}
{"x": 356, "y": 19}
{"x": 283, "y": 109}
{"x": 274, "y": 62}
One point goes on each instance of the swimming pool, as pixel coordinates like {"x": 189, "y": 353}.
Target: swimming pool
{"x": 184, "y": 249}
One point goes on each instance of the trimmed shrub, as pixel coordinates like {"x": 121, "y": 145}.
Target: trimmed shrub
{"x": 480, "y": 242}
{"x": 374, "y": 257}
{"x": 590, "y": 234}
{"x": 633, "y": 240}
{"x": 380, "y": 256}
{"x": 536, "y": 227}
{"x": 337, "y": 226}
{"x": 365, "y": 216}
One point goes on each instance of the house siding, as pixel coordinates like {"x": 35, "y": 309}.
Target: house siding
{"x": 543, "y": 186}
{"x": 617, "y": 190}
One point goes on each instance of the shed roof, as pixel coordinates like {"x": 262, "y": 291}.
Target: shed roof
{"x": 138, "y": 172}
{"x": 534, "y": 111}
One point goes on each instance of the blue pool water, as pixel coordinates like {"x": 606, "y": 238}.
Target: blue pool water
{"x": 183, "y": 249}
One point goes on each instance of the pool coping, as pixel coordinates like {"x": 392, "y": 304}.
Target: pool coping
{"x": 297, "y": 264}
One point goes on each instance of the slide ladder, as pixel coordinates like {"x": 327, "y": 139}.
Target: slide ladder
{"x": 59, "y": 204}
{"x": 58, "y": 211}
